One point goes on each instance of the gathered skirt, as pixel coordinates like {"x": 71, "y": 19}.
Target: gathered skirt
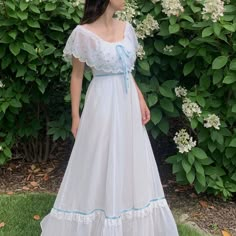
{"x": 111, "y": 186}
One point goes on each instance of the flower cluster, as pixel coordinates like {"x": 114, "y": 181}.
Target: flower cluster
{"x": 141, "y": 52}
{"x": 147, "y": 27}
{"x": 129, "y": 13}
{"x": 213, "y": 9}
{"x": 180, "y": 92}
{"x": 212, "y": 120}
{"x": 76, "y": 3}
{"x": 190, "y": 108}
{"x": 1, "y": 84}
{"x": 155, "y": 1}
{"x": 172, "y": 7}
{"x": 183, "y": 141}
{"x": 1, "y": 148}
{"x": 168, "y": 48}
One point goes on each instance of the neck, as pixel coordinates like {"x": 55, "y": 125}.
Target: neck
{"x": 106, "y": 18}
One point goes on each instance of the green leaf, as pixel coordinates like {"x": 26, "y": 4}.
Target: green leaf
{"x": 219, "y": 62}
{"x": 190, "y": 176}
{"x": 10, "y": 4}
{"x": 199, "y": 153}
{"x": 4, "y": 106}
{"x": 164, "y": 126}
{"x": 167, "y": 105}
{"x": 186, "y": 166}
{"x": 229, "y": 79}
{"x": 15, "y": 103}
{"x": 234, "y": 108}
{"x": 214, "y": 170}
{"x": 217, "y": 28}
{"x": 199, "y": 168}
{"x": 34, "y": 9}
{"x": 28, "y": 48}
{"x": 152, "y": 99}
{"x": 148, "y": 6}
{"x": 23, "y": 5}
{"x": 33, "y": 23}
{"x": 176, "y": 167}
{"x": 22, "y": 15}
{"x": 166, "y": 91}
{"x": 174, "y": 28}
{"x": 188, "y": 68}
{"x": 233, "y": 143}
{"x": 207, "y": 32}
{"x": 184, "y": 42}
{"x": 233, "y": 177}
{"x": 50, "y": 7}
{"x": 156, "y": 115}
{"x": 7, "y": 151}
{"x": 201, "y": 179}
{"x": 14, "y": 48}
{"x": 144, "y": 65}
{"x": 13, "y": 34}
{"x": 229, "y": 27}
{"x": 191, "y": 158}
{"x": 48, "y": 51}
{"x": 171, "y": 159}
{"x": 233, "y": 64}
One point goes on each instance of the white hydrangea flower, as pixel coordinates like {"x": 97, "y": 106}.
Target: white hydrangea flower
{"x": 168, "y": 48}
{"x": 76, "y": 3}
{"x": 141, "y": 52}
{"x": 147, "y": 27}
{"x": 213, "y": 9}
{"x": 180, "y": 91}
{"x": 190, "y": 108}
{"x": 1, "y": 84}
{"x": 172, "y": 7}
{"x": 183, "y": 141}
{"x": 129, "y": 13}
{"x": 1, "y": 148}
{"x": 212, "y": 120}
{"x": 155, "y": 1}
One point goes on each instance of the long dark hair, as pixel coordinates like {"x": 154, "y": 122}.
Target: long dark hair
{"x": 93, "y": 9}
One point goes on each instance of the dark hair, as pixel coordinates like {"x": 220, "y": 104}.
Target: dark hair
{"x": 93, "y": 9}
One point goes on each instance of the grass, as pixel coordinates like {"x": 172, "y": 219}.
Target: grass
{"x": 17, "y": 212}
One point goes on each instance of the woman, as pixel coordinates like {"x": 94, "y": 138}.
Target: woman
{"x": 111, "y": 186}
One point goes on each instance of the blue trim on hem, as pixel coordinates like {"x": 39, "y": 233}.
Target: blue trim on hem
{"x": 110, "y": 217}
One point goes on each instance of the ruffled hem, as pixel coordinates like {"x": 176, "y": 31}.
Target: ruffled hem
{"x": 154, "y": 219}
{"x": 127, "y": 214}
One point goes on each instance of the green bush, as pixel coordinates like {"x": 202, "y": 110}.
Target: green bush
{"x": 33, "y": 110}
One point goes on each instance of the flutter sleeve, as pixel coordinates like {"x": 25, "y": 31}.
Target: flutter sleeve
{"x": 80, "y": 46}
{"x": 133, "y": 37}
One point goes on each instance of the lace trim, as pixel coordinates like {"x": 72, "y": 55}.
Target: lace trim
{"x": 95, "y": 36}
{"x": 91, "y": 60}
{"x": 131, "y": 213}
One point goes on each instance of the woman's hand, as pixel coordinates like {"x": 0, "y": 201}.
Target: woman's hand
{"x": 75, "y": 125}
{"x": 144, "y": 110}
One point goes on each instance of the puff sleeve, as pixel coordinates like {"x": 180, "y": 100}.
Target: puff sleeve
{"x": 80, "y": 46}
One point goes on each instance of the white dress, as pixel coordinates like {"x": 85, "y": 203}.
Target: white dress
{"x": 111, "y": 186}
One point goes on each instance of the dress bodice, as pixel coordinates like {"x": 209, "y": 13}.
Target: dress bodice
{"x": 99, "y": 55}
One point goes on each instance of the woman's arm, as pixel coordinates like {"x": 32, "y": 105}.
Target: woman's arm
{"x": 140, "y": 95}
{"x": 75, "y": 90}
{"x": 143, "y": 106}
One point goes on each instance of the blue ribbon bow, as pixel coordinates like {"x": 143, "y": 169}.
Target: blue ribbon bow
{"x": 123, "y": 55}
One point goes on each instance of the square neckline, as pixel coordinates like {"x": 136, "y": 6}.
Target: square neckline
{"x": 100, "y": 38}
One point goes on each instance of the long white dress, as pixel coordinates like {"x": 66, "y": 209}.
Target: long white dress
{"x": 111, "y": 186}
